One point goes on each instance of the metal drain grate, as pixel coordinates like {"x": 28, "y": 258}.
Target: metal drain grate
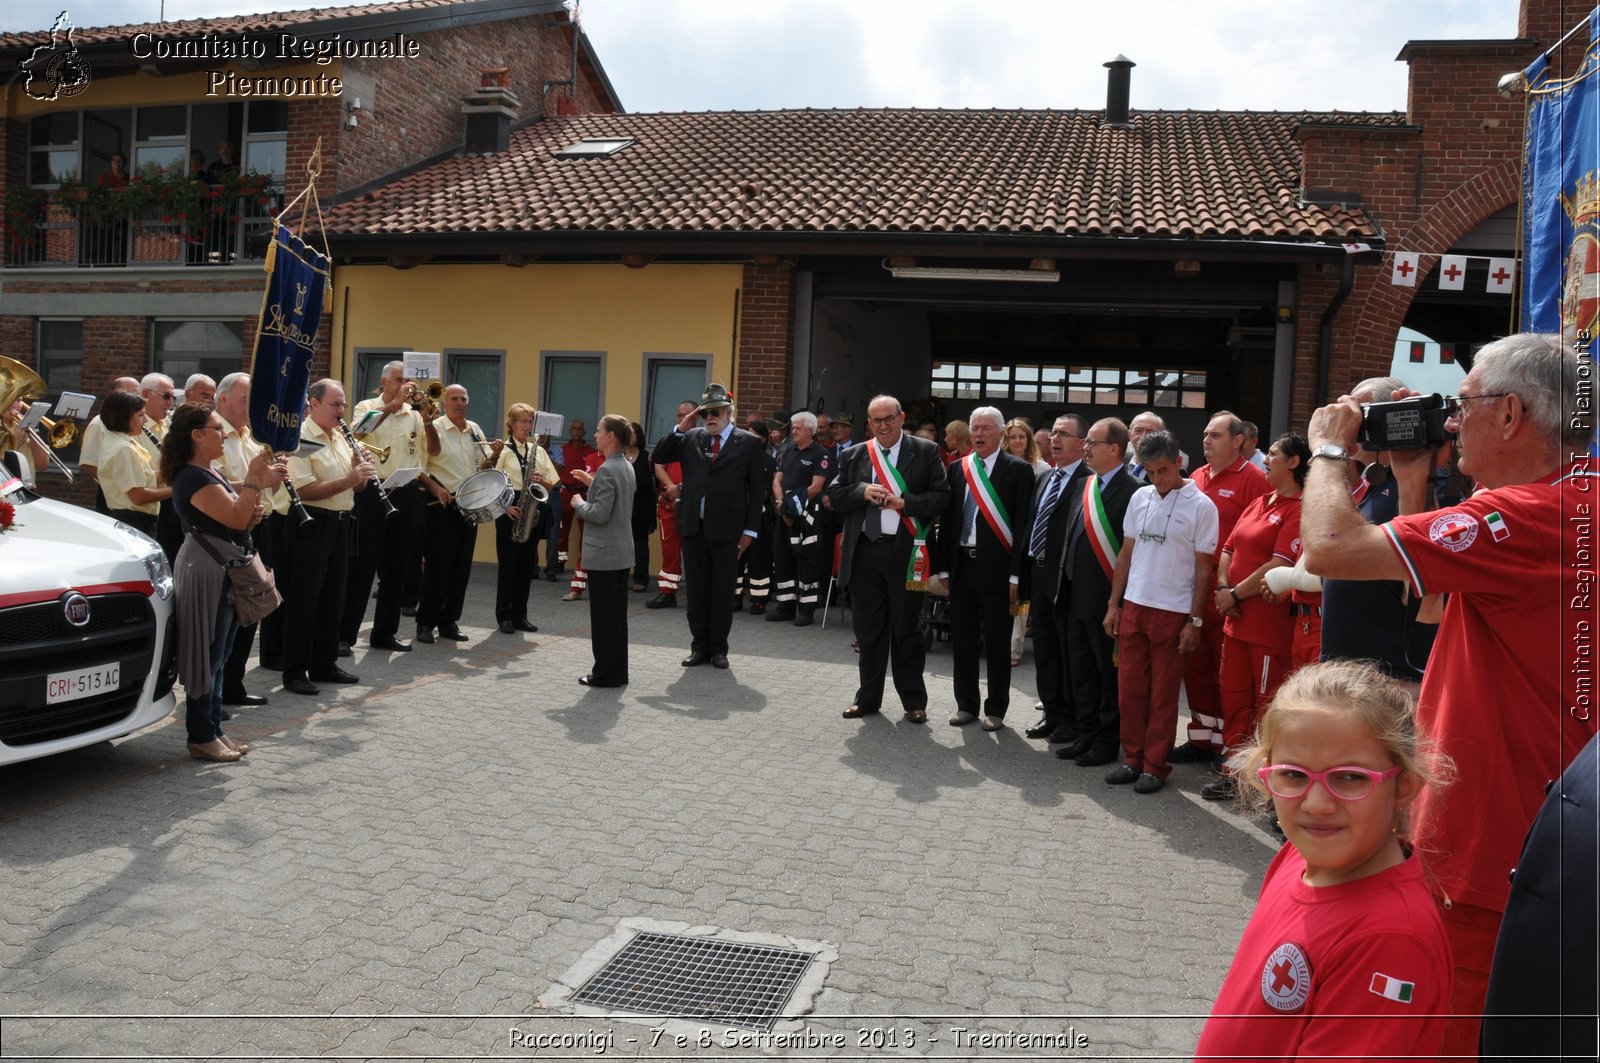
{"x": 697, "y": 979}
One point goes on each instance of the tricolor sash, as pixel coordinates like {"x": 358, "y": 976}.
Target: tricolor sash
{"x": 1097, "y": 526}
{"x": 987, "y": 498}
{"x": 889, "y": 476}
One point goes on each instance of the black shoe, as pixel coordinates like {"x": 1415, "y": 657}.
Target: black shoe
{"x": 391, "y": 643}
{"x": 334, "y": 675}
{"x": 240, "y": 697}
{"x": 344, "y": 649}
{"x": 523, "y": 625}
{"x": 782, "y": 612}
{"x": 425, "y": 635}
{"x": 1059, "y": 739}
{"x": 452, "y": 633}
{"x": 738, "y": 605}
{"x": 1148, "y": 784}
{"x": 299, "y": 684}
{"x": 1042, "y": 729}
{"x": 1072, "y": 752}
{"x": 695, "y": 659}
{"x": 662, "y": 601}
{"x": 757, "y": 608}
{"x": 408, "y": 610}
{"x": 719, "y": 660}
{"x": 806, "y": 616}
{"x": 1188, "y": 753}
{"x": 590, "y": 681}
{"x": 1122, "y": 775}
{"x": 507, "y": 628}
{"x": 1223, "y": 789}
{"x": 551, "y": 577}
{"x": 1093, "y": 758}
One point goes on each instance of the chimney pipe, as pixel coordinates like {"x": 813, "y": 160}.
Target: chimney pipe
{"x": 490, "y": 110}
{"x": 1117, "y": 78}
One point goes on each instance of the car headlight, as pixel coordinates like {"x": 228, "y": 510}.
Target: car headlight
{"x": 160, "y": 572}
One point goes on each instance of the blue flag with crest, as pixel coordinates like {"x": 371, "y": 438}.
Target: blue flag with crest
{"x": 286, "y": 336}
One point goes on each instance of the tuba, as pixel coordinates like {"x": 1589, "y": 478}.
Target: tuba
{"x": 17, "y": 382}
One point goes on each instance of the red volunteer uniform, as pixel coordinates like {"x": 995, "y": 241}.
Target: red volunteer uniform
{"x": 1360, "y": 970}
{"x": 1230, "y": 491}
{"x": 1500, "y": 696}
{"x": 1255, "y": 652}
{"x": 667, "y": 520}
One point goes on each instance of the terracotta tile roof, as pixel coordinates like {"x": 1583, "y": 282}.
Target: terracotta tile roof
{"x": 234, "y": 25}
{"x": 1177, "y": 174}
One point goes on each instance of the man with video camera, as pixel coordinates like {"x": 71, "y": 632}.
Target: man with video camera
{"x": 1498, "y": 697}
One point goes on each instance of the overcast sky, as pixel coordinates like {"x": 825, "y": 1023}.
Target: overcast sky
{"x": 671, "y": 55}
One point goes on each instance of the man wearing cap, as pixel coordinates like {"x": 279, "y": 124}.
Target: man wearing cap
{"x": 719, "y": 513}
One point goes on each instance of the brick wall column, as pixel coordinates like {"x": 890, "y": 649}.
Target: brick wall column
{"x": 765, "y": 358}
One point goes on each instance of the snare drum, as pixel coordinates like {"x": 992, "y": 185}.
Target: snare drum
{"x": 484, "y": 496}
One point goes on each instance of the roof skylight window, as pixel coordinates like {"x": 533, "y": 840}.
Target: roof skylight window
{"x": 594, "y": 147}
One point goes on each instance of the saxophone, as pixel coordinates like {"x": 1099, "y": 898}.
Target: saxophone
{"x": 532, "y": 500}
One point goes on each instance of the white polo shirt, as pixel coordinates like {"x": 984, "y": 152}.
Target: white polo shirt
{"x": 1167, "y": 533}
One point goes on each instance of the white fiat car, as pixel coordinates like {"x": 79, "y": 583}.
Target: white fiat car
{"x": 87, "y": 639}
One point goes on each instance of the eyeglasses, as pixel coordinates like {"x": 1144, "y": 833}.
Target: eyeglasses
{"x": 169, "y": 396}
{"x": 1456, "y": 405}
{"x": 1348, "y": 783}
{"x": 1064, "y": 435}
{"x": 1087, "y": 443}
{"x": 881, "y": 422}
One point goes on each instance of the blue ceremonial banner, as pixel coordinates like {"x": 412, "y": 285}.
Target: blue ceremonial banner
{"x": 291, "y": 312}
{"x": 1561, "y": 197}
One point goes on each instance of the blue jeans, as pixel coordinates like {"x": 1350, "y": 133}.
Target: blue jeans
{"x": 203, "y": 716}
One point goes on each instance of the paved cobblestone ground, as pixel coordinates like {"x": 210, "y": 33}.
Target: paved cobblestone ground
{"x": 401, "y": 868}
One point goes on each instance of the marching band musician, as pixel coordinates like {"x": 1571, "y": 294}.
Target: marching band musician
{"x": 93, "y": 439}
{"x": 159, "y": 399}
{"x": 327, "y": 482}
{"x": 519, "y": 457}
{"x": 29, "y": 448}
{"x": 450, "y": 539}
{"x": 127, "y": 472}
{"x": 239, "y": 448}
{"x": 384, "y": 545}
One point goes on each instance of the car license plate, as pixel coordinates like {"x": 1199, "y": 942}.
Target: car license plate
{"x": 70, "y": 686}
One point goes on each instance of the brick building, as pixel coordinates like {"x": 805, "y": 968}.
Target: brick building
{"x": 99, "y": 282}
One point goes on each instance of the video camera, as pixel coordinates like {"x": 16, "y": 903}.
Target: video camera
{"x": 1405, "y": 424}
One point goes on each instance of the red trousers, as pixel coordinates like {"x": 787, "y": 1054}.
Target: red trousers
{"x": 1249, "y": 676}
{"x": 1200, "y": 671}
{"x": 1307, "y": 645}
{"x": 1149, "y": 668}
{"x": 671, "y": 555}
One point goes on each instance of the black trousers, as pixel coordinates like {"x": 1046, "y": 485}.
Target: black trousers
{"x": 1051, "y": 670}
{"x": 382, "y": 544}
{"x": 708, "y": 574}
{"x": 754, "y": 573}
{"x": 367, "y": 549}
{"x": 1091, "y": 664}
{"x": 518, "y": 564}
{"x": 888, "y": 623}
{"x": 450, "y": 540}
{"x": 244, "y": 639}
{"x": 608, "y": 624}
{"x": 797, "y": 561}
{"x": 321, "y": 550}
{"x": 980, "y": 608}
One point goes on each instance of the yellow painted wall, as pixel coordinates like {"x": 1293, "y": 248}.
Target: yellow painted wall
{"x": 141, "y": 89}
{"x": 662, "y": 309}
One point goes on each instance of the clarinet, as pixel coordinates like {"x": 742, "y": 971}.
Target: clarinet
{"x": 355, "y": 449}
{"x": 302, "y": 515}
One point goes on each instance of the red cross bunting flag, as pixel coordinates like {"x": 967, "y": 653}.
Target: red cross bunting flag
{"x": 1502, "y": 272}
{"x": 1405, "y": 269}
{"x": 1452, "y": 273}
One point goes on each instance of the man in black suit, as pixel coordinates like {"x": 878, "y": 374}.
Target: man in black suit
{"x": 981, "y": 562}
{"x": 1093, "y": 538}
{"x": 719, "y": 512}
{"x": 887, "y": 493}
{"x": 1044, "y": 542}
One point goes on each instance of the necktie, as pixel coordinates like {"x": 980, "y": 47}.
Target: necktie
{"x": 716, "y": 447}
{"x": 1138, "y": 471}
{"x": 969, "y": 517}
{"x": 1047, "y": 506}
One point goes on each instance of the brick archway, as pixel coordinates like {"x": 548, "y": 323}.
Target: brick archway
{"x": 1377, "y": 309}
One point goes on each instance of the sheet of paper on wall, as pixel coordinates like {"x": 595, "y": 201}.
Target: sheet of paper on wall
{"x": 74, "y": 404}
{"x": 401, "y": 477}
{"x": 422, "y": 365}
{"x": 549, "y": 424}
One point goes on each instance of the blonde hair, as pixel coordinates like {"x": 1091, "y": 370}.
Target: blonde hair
{"x": 1358, "y": 689}
{"x": 1029, "y": 455}
{"x": 516, "y": 410}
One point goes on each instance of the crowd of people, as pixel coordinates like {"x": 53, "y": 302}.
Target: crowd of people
{"x": 1375, "y": 670}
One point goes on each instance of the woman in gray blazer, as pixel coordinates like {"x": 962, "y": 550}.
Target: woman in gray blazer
{"x": 607, "y": 515}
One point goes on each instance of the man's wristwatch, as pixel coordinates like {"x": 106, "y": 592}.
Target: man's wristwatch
{"x": 1331, "y": 450}
{"x": 1197, "y": 621}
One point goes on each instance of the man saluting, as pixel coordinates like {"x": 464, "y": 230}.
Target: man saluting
{"x": 724, "y": 484}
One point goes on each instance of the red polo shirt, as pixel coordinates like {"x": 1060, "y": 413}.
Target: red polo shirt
{"x": 1269, "y": 527}
{"x": 1231, "y": 491}
{"x": 1508, "y": 692}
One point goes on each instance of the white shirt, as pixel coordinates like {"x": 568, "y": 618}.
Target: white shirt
{"x": 1166, "y": 534}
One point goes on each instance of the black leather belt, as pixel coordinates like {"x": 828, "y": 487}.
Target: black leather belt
{"x": 1296, "y": 609}
{"x": 328, "y": 514}
{"x": 969, "y": 551}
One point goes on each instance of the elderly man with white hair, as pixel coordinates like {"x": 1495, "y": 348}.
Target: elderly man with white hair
{"x": 200, "y": 388}
{"x": 803, "y": 469}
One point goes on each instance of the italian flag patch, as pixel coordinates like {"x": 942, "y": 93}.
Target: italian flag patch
{"x": 1392, "y": 988}
{"x": 1497, "y": 526}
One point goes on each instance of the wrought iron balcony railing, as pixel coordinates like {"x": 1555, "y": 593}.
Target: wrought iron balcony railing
{"x": 60, "y": 233}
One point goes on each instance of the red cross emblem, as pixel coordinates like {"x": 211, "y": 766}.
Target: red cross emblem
{"x": 1453, "y": 272}
{"x": 1283, "y": 976}
{"x": 1286, "y": 978}
{"x": 1500, "y": 276}
{"x": 1404, "y": 268}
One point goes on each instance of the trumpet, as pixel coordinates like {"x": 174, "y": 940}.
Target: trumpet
{"x": 424, "y": 397}
{"x": 376, "y": 453}
{"x": 62, "y": 432}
